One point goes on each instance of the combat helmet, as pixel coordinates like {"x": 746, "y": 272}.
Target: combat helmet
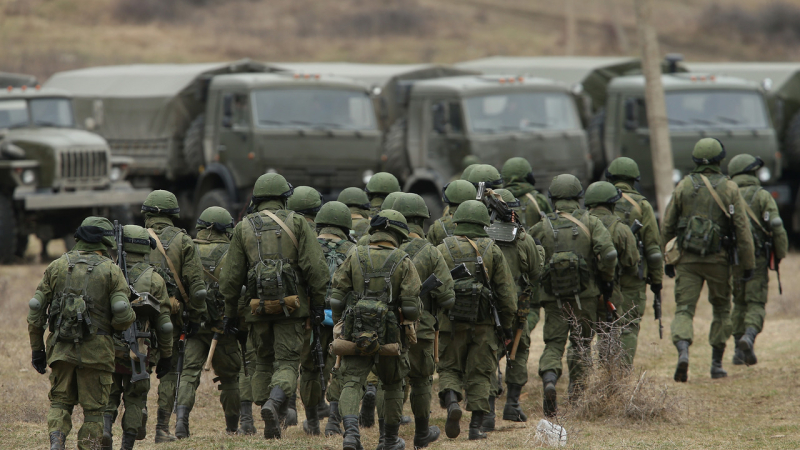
{"x": 708, "y": 151}
{"x": 305, "y": 200}
{"x": 335, "y": 214}
{"x": 135, "y": 239}
{"x": 388, "y": 202}
{"x": 161, "y": 202}
{"x": 354, "y": 196}
{"x": 487, "y": 174}
{"x": 412, "y": 206}
{"x": 472, "y": 211}
{"x": 389, "y": 220}
{"x": 458, "y": 191}
{"x": 96, "y": 230}
{"x": 382, "y": 183}
{"x": 271, "y": 185}
{"x": 508, "y": 197}
{"x": 518, "y": 169}
{"x": 744, "y": 163}
{"x": 215, "y": 217}
{"x": 601, "y": 192}
{"x": 565, "y": 187}
{"x": 623, "y": 168}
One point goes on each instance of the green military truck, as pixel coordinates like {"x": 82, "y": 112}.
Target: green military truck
{"x": 52, "y": 175}
{"x": 14, "y": 80}
{"x": 208, "y": 131}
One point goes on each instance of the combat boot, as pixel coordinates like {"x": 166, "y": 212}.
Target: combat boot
{"x": 489, "y": 417}
{"x": 107, "y": 442}
{"x": 246, "y": 426}
{"x": 289, "y": 413}
{"x": 475, "y": 425}
{"x": 682, "y": 370}
{"x": 512, "y": 411}
{"x": 367, "y": 415}
{"x": 381, "y": 434}
{"x": 352, "y": 438}
{"x": 452, "y": 427}
{"x": 334, "y": 419}
{"x": 716, "y": 363}
{"x": 311, "y": 424}
{"x": 141, "y": 433}
{"x": 182, "y": 422}
{"x": 323, "y": 409}
{"x": 58, "y": 440}
{"x": 270, "y": 413}
{"x": 128, "y": 439}
{"x": 423, "y": 433}
{"x": 549, "y": 396}
{"x": 393, "y": 440}
{"x": 162, "y": 427}
{"x": 231, "y": 424}
{"x": 745, "y": 345}
{"x": 738, "y": 355}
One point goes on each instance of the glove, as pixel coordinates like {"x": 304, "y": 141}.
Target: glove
{"x": 230, "y": 326}
{"x": 192, "y": 329}
{"x": 163, "y": 366}
{"x": 655, "y": 288}
{"x": 318, "y": 314}
{"x": 39, "y": 361}
{"x": 748, "y": 275}
{"x": 669, "y": 270}
{"x": 508, "y": 333}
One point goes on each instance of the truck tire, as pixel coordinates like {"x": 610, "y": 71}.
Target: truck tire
{"x": 435, "y": 208}
{"x": 193, "y": 144}
{"x": 596, "y": 147}
{"x": 394, "y": 149}
{"x": 123, "y": 214}
{"x": 214, "y": 197}
{"x": 8, "y": 231}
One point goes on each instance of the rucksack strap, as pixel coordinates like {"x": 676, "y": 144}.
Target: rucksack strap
{"x": 574, "y": 220}
{"x": 535, "y": 203}
{"x": 175, "y": 274}
{"x": 282, "y": 224}
{"x": 415, "y": 247}
{"x": 480, "y": 260}
{"x": 630, "y": 200}
{"x": 715, "y": 195}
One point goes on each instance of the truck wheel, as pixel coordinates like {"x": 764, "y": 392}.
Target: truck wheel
{"x": 193, "y": 144}
{"x": 596, "y": 148}
{"x": 8, "y": 232}
{"x": 215, "y": 197}
{"x": 435, "y": 208}
{"x": 122, "y": 213}
{"x": 394, "y": 149}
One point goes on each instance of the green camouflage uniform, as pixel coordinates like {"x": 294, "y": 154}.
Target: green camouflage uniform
{"x": 80, "y": 373}
{"x": 442, "y": 227}
{"x": 360, "y": 222}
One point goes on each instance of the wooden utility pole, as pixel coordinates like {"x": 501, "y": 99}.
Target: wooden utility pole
{"x": 660, "y": 146}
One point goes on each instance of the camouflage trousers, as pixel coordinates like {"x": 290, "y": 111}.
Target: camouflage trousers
{"x": 133, "y": 396}
{"x": 750, "y": 299}
{"x": 517, "y": 373}
{"x": 278, "y": 346}
{"x": 568, "y": 323}
{"x": 166, "y": 385}
{"x": 391, "y": 370}
{"x": 71, "y": 385}
{"x": 245, "y": 381}
{"x": 689, "y": 279}
{"x": 226, "y": 363}
{"x": 310, "y": 389}
{"x": 467, "y": 360}
{"x": 630, "y": 298}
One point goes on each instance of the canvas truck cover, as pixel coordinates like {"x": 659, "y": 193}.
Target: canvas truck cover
{"x": 16, "y": 80}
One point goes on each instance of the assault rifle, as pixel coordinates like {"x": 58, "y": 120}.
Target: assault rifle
{"x": 319, "y": 355}
{"x": 181, "y": 356}
{"x": 132, "y": 335}
{"x": 657, "y": 311}
{"x": 774, "y": 264}
{"x": 498, "y": 209}
{"x": 432, "y": 282}
{"x": 635, "y": 227}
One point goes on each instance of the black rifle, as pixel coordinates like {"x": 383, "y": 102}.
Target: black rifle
{"x": 319, "y": 355}
{"x": 495, "y": 204}
{"x": 181, "y": 355}
{"x": 242, "y": 338}
{"x": 635, "y": 227}
{"x": 657, "y": 311}
{"x": 774, "y": 264}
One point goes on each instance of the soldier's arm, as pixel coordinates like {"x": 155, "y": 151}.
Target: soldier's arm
{"x": 744, "y": 236}
{"x": 651, "y": 239}
{"x": 443, "y": 295}
{"x": 603, "y": 248}
{"x": 342, "y": 283}
{"x": 234, "y": 274}
{"x": 163, "y": 326}
{"x": 409, "y": 287}
{"x": 671, "y": 216}
{"x": 37, "y": 315}
{"x": 312, "y": 262}
{"x": 446, "y": 255}
{"x": 119, "y": 295}
{"x": 431, "y": 237}
{"x": 627, "y": 253}
{"x": 545, "y": 205}
{"x": 503, "y": 286}
{"x": 535, "y": 259}
{"x": 192, "y": 271}
{"x": 780, "y": 241}
{"x": 537, "y": 230}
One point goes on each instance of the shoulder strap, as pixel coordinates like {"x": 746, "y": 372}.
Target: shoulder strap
{"x": 535, "y": 203}
{"x": 175, "y": 274}
{"x": 480, "y": 259}
{"x": 715, "y": 195}
{"x": 752, "y": 213}
{"x": 577, "y": 222}
{"x": 277, "y": 220}
{"x": 415, "y": 247}
{"x": 632, "y": 202}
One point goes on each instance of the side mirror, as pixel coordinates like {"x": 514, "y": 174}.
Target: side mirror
{"x": 227, "y": 110}
{"x": 630, "y": 114}
{"x": 439, "y": 118}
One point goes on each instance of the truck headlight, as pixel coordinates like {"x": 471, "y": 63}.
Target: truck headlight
{"x": 365, "y": 177}
{"x": 677, "y": 176}
{"x": 764, "y": 174}
{"x": 28, "y": 177}
{"x": 115, "y": 174}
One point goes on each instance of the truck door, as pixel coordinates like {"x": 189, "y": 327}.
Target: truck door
{"x": 235, "y": 144}
{"x": 446, "y": 141}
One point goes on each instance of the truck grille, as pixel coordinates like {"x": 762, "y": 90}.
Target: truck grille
{"x": 150, "y": 156}
{"x": 84, "y": 168}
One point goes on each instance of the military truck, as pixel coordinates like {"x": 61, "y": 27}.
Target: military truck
{"x": 52, "y": 175}
{"x": 208, "y": 131}
{"x": 13, "y": 80}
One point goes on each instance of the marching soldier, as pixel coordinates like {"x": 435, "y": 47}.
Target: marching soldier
{"x": 378, "y": 187}
{"x": 358, "y": 202}
{"x": 455, "y": 193}
{"x": 307, "y": 201}
{"x": 518, "y": 177}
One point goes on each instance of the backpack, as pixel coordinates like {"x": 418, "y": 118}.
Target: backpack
{"x": 698, "y": 232}
{"x": 567, "y": 273}
{"x": 159, "y": 260}
{"x": 211, "y": 261}
{"x": 333, "y": 258}
{"x": 147, "y": 309}
{"x": 470, "y": 293}
{"x": 71, "y": 313}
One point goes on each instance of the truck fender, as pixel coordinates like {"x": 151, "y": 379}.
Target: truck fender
{"x": 211, "y": 177}
{"x": 423, "y": 177}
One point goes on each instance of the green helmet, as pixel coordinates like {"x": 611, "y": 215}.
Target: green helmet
{"x": 458, "y": 191}
{"x": 565, "y": 187}
{"x": 744, "y": 163}
{"x": 518, "y": 169}
{"x": 469, "y": 160}
{"x": 487, "y": 174}
{"x": 95, "y": 230}
{"x": 135, "y": 239}
{"x": 708, "y": 151}
{"x": 412, "y": 206}
{"x": 271, "y": 185}
{"x": 354, "y": 196}
{"x": 215, "y": 217}
{"x": 389, "y": 219}
{"x": 163, "y": 203}
{"x": 382, "y": 183}
{"x": 305, "y": 200}
{"x": 388, "y": 202}
{"x": 468, "y": 170}
{"x": 601, "y": 192}
{"x": 335, "y": 214}
{"x": 472, "y": 211}
{"x": 623, "y": 167}
{"x": 508, "y": 197}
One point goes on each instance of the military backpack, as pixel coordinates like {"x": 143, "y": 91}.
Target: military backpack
{"x": 75, "y": 313}
{"x": 567, "y": 273}
{"x": 211, "y": 257}
{"x": 473, "y": 296}
{"x": 698, "y": 231}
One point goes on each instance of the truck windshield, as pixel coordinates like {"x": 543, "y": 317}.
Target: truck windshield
{"x": 521, "y": 111}
{"x": 52, "y": 112}
{"x": 718, "y": 109}
{"x": 314, "y": 108}
{"x": 13, "y": 113}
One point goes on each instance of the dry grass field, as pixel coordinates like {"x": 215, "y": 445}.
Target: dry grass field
{"x": 754, "y": 408}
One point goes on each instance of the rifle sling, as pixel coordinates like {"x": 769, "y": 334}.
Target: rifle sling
{"x": 577, "y": 222}
{"x": 283, "y": 225}
{"x": 755, "y": 220}
{"x": 715, "y": 195}
{"x": 175, "y": 274}
{"x": 632, "y": 202}
{"x": 535, "y": 203}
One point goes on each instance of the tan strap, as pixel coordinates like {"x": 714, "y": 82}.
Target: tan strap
{"x": 478, "y": 254}
{"x": 715, "y": 195}
{"x": 755, "y": 220}
{"x": 356, "y": 216}
{"x": 632, "y": 202}
{"x": 330, "y": 237}
{"x": 285, "y": 228}
{"x": 535, "y": 203}
{"x": 175, "y": 273}
{"x": 211, "y": 275}
{"x": 575, "y": 221}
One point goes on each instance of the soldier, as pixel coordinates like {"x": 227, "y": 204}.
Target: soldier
{"x": 455, "y": 193}
{"x": 469, "y": 343}
{"x": 579, "y": 264}
{"x": 388, "y": 203}
{"x": 151, "y": 305}
{"x": 518, "y": 176}
{"x": 246, "y": 425}
{"x": 771, "y": 245}
{"x": 82, "y": 284}
{"x": 356, "y": 199}
{"x": 306, "y": 201}
{"x": 378, "y": 187}
{"x": 275, "y": 253}
{"x": 213, "y": 230}
{"x": 467, "y": 162}
{"x": 632, "y": 206}
{"x": 601, "y": 198}
{"x": 486, "y": 174}
{"x": 383, "y": 284}
{"x": 176, "y": 260}
{"x": 708, "y": 217}
{"x": 333, "y": 222}
{"x": 428, "y": 261}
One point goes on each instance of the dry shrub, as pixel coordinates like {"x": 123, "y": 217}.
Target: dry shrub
{"x": 778, "y": 20}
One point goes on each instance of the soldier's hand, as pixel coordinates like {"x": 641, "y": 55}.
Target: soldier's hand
{"x": 192, "y": 329}
{"x": 669, "y": 270}
{"x": 163, "y": 366}
{"x": 508, "y": 333}
{"x": 39, "y": 361}
{"x": 230, "y": 326}
{"x": 655, "y": 288}
{"x": 318, "y": 314}
{"x": 748, "y": 275}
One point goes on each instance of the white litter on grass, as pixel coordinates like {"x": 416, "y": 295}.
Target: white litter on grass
{"x": 551, "y": 434}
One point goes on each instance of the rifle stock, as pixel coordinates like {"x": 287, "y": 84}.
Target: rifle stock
{"x": 181, "y": 355}
{"x": 211, "y": 350}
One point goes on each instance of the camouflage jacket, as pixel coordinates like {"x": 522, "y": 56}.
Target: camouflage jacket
{"x": 769, "y": 220}
{"x": 360, "y": 222}
{"x": 526, "y": 265}
{"x": 625, "y": 243}
{"x": 642, "y": 211}
{"x": 335, "y": 246}
{"x": 212, "y": 249}
{"x": 442, "y": 227}
{"x": 531, "y": 203}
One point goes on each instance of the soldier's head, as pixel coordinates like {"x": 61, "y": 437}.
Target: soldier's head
{"x": 96, "y": 233}
{"x": 469, "y": 160}
{"x": 471, "y": 218}
{"x": 271, "y": 187}
{"x": 708, "y": 151}
{"x": 468, "y": 170}
{"x": 390, "y": 222}
{"x": 305, "y": 200}
{"x": 217, "y": 219}
{"x": 623, "y": 169}
{"x": 458, "y": 191}
{"x": 136, "y": 240}
{"x": 602, "y": 193}
{"x": 413, "y": 208}
{"x": 565, "y": 187}
{"x": 487, "y": 174}
{"x": 388, "y": 202}
{"x": 508, "y": 197}
{"x": 160, "y": 203}
{"x": 354, "y": 197}
{"x": 335, "y": 214}
{"x": 744, "y": 164}
{"x": 518, "y": 170}
{"x": 382, "y": 184}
